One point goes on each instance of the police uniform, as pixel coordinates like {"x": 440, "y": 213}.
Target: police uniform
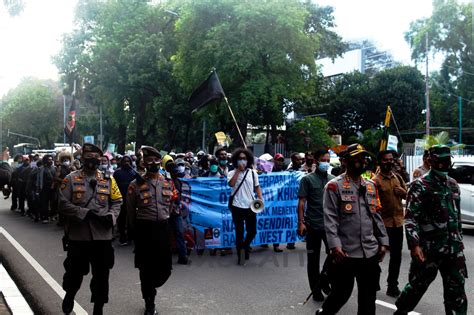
{"x": 432, "y": 222}
{"x": 352, "y": 222}
{"x": 90, "y": 205}
{"x": 148, "y": 209}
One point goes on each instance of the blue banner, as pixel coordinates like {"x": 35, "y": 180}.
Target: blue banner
{"x": 206, "y": 200}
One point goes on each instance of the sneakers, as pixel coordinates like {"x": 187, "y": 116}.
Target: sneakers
{"x": 184, "y": 261}
{"x": 393, "y": 292}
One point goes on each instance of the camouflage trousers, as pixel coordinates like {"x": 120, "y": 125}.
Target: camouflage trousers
{"x": 453, "y": 271}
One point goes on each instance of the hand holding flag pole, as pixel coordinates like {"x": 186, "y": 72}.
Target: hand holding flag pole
{"x": 211, "y": 90}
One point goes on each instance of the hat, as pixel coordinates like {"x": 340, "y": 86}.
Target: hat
{"x": 179, "y": 162}
{"x": 353, "y": 150}
{"x": 200, "y": 153}
{"x": 167, "y": 158}
{"x": 439, "y": 151}
{"x": 89, "y": 147}
{"x": 150, "y": 151}
{"x": 278, "y": 156}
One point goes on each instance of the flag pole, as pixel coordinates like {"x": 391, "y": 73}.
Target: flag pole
{"x": 235, "y": 121}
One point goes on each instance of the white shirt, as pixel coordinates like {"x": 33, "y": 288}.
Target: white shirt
{"x": 245, "y": 195}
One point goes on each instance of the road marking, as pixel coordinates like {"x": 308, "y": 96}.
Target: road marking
{"x": 42, "y": 272}
{"x": 393, "y": 307}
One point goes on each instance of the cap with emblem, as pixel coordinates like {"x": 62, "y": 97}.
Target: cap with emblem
{"x": 439, "y": 151}
{"x": 89, "y": 147}
{"x": 150, "y": 151}
{"x": 353, "y": 150}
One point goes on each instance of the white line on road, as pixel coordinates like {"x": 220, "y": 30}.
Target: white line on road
{"x": 42, "y": 272}
{"x": 393, "y": 307}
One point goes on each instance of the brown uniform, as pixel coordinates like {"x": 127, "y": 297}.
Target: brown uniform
{"x": 90, "y": 237}
{"x": 148, "y": 210}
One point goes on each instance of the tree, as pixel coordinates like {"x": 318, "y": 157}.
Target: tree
{"x": 310, "y": 133}
{"x": 263, "y": 51}
{"x": 449, "y": 32}
{"x": 14, "y": 7}
{"x": 34, "y": 108}
{"x": 121, "y": 55}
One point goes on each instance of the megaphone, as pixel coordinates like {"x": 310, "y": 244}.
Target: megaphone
{"x": 257, "y": 206}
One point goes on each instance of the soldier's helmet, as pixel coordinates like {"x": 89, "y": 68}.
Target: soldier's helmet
{"x": 439, "y": 151}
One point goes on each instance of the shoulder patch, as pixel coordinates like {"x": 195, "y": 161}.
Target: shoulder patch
{"x": 331, "y": 186}
{"x": 64, "y": 183}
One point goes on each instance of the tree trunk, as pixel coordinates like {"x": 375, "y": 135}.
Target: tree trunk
{"x": 121, "y": 138}
{"x": 140, "y": 121}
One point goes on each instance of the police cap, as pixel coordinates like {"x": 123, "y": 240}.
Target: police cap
{"x": 89, "y": 147}
{"x": 353, "y": 150}
{"x": 150, "y": 151}
{"x": 439, "y": 151}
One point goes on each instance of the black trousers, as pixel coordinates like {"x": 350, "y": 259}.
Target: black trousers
{"x": 46, "y": 201}
{"x": 152, "y": 255}
{"x": 395, "y": 239}
{"x": 366, "y": 271}
{"x": 122, "y": 222}
{"x": 313, "y": 247}
{"x": 243, "y": 217}
{"x": 100, "y": 256}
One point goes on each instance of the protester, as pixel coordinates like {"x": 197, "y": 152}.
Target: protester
{"x": 423, "y": 168}
{"x": 355, "y": 234}
{"x": 311, "y": 222}
{"x": 278, "y": 163}
{"x": 124, "y": 175}
{"x": 392, "y": 190}
{"x": 14, "y": 184}
{"x": 221, "y": 155}
{"x": 91, "y": 204}
{"x": 148, "y": 203}
{"x": 296, "y": 162}
{"x": 176, "y": 170}
{"x": 434, "y": 236}
{"x": 213, "y": 170}
{"x": 105, "y": 166}
{"x": 45, "y": 180}
{"x": 32, "y": 191}
{"x": 243, "y": 187}
{"x": 22, "y": 176}
{"x": 113, "y": 164}
{"x": 308, "y": 164}
{"x": 204, "y": 164}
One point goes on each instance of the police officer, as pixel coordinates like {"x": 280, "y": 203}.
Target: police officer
{"x": 90, "y": 204}
{"x": 434, "y": 236}
{"x": 355, "y": 234}
{"x": 148, "y": 210}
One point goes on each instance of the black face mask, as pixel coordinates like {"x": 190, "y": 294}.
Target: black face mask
{"x": 441, "y": 165}
{"x": 386, "y": 167}
{"x": 309, "y": 162}
{"x": 357, "y": 167}
{"x": 91, "y": 163}
{"x": 153, "y": 167}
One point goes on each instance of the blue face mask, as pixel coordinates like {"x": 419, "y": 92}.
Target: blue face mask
{"x": 213, "y": 168}
{"x": 323, "y": 166}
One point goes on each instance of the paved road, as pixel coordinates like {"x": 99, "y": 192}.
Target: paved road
{"x": 269, "y": 284}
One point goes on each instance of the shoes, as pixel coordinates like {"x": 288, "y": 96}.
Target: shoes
{"x": 12, "y": 208}
{"x": 247, "y": 255}
{"x": 277, "y": 250}
{"x": 45, "y": 221}
{"x": 213, "y": 252}
{"x": 324, "y": 284}
{"x": 68, "y": 303}
{"x": 318, "y": 296}
{"x": 240, "y": 258}
{"x": 98, "y": 309}
{"x": 184, "y": 261}
{"x": 393, "y": 292}
{"x": 290, "y": 246}
{"x": 150, "y": 307}
{"x": 150, "y": 311}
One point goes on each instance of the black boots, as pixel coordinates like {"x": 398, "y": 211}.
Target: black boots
{"x": 98, "y": 309}
{"x": 150, "y": 306}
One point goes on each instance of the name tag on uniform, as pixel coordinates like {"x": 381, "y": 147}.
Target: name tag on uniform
{"x": 349, "y": 198}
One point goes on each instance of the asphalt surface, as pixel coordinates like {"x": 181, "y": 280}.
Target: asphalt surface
{"x": 270, "y": 283}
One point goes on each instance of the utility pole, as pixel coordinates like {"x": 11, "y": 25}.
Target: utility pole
{"x": 427, "y": 91}
{"x": 204, "y": 135}
{"x": 460, "y": 118}
{"x": 64, "y": 119}
{"x": 101, "y": 136}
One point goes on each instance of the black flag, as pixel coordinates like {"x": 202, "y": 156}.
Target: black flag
{"x": 210, "y": 90}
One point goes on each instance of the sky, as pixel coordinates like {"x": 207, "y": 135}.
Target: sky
{"x": 29, "y": 41}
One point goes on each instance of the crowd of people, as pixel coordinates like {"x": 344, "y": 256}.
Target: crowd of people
{"x": 354, "y": 208}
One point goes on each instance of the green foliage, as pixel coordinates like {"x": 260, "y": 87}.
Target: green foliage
{"x": 450, "y": 32}
{"x": 34, "y": 108}
{"x": 14, "y": 7}
{"x": 310, "y": 133}
{"x": 370, "y": 139}
{"x": 441, "y": 138}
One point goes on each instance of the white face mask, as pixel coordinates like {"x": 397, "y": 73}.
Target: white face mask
{"x": 103, "y": 167}
{"x": 66, "y": 163}
{"x": 242, "y": 163}
{"x": 180, "y": 169}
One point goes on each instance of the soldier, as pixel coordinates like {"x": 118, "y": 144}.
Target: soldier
{"x": 148, "y": 210}
{"x": 434, "y": 236}
{"x": 90, "y": 203}
{"x": 355, "y": 234}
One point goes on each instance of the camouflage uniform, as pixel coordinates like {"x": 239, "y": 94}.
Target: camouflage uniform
{"x": 432, "y": 221}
